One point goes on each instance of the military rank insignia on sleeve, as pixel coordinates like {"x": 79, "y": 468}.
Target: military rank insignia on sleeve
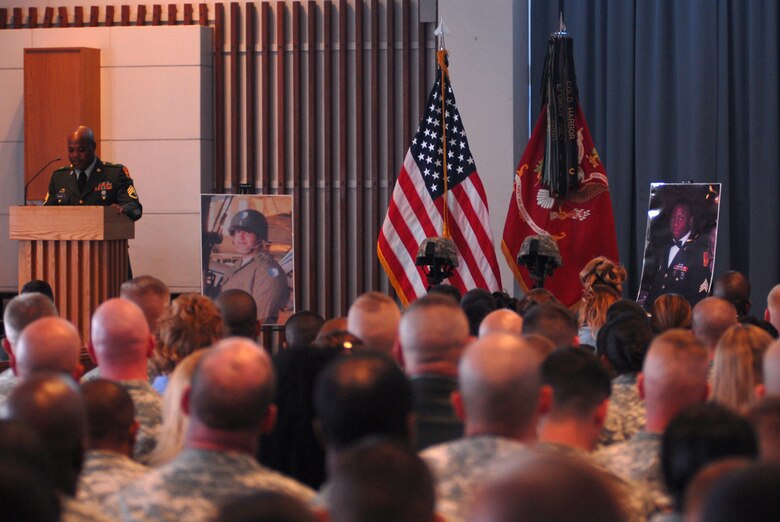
{"x": 131, "y": 192}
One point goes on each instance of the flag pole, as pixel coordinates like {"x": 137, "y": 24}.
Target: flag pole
{"x": 441, "y": 58}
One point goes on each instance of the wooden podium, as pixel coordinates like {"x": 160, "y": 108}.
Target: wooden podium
{"x": 80, "y": 251}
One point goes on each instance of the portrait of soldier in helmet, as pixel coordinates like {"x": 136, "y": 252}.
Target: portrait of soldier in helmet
{"x": 240, "y": 254}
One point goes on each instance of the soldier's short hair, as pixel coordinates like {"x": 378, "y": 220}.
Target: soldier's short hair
{"x": 360, "y": 395}
{"x": 552, "y": 320}
{"x": 23, "y": 310}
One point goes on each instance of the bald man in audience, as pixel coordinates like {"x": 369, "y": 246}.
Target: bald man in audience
{"x": 229, "y": 404}
{"x": 711, "y": 317}
{"x": 553, "y": 321}
{"x": 112, "y": 428}
{"x": 19, "y": 312}
{"x": 433, "y": 333}
{"x": 49, "y": 344}
{"x": 502, "y": 320}
{"x": 52, "y": 406}
{"x": 500, "y": 400}
{"x": 674, "y": 376}
{"x": 239, "y": 313}
{"x": 374, "y": 317}
{"x": 772, "y": 313}
{"x": 121, "y": 344}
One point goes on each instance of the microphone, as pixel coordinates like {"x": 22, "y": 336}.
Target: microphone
{"x": 26, "y": 185}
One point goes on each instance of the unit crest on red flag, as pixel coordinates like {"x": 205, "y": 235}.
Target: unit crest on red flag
{"x": 577, "y": 214}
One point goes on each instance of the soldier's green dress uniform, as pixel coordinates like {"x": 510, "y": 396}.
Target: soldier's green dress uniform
{"x": 109, "y": 184}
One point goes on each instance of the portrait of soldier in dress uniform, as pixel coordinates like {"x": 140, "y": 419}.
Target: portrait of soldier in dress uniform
{"x": 680, "y": 242}
{"x": 247, "y": 245}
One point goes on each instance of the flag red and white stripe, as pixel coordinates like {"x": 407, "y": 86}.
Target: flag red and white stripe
{"x": 417, "y": 209}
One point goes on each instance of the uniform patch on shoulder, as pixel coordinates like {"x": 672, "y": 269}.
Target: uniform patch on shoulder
{"x": 127, "y": 172}
{"x": 273, "y": 272}
{"x": 131, "y": 192}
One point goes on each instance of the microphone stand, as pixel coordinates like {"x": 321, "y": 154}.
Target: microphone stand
{"x": 26, "y": 185}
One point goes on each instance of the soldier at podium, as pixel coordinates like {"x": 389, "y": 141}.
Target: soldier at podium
{"x": 89, "y": 181}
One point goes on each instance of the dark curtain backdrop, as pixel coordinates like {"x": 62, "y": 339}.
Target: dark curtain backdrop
{"x": 677, "y": 91}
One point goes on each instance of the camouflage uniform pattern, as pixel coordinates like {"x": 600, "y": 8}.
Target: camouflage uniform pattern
{"x": 94, "y": 373}
{"x": 7, "y": 383}
{"x": 106, "y": 472}
{"x": 195, "y": 485}
{"x": 74, "y": 510}
{"x": 461, "y": 466}
{"x": 148, "y": 413}
{"x": 639, "y": 460}
{"x": 636, "y": 502}
{"x": 626, "y": 412}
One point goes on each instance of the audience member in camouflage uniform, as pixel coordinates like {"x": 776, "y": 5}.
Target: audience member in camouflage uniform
{"x": 674, "y": 377}
{"x": 499, "y": 400}
{"x": 112, "y": 427}
{"x": 433, "y": 333}
{"x": 48, "y": 344}
{"x": 153, "y": 297}
{"x": 580, "y": 394}
{"x": 121, "y": 344}
{"x": 622, "y": 344}
{"x": 19, "y": 312}
{"x": 229, "y": 404}
{"x": 52, "y": 406}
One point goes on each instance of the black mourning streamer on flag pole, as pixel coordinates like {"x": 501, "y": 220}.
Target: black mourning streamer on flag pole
{"x": 560, "y": 95}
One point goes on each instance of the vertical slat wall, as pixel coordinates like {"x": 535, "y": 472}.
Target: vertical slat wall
{"x": 314, "y": 98}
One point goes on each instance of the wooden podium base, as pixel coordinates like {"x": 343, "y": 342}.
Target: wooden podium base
{"x": 80, "y": 251}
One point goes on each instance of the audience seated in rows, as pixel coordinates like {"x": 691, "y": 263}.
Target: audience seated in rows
{"x": 229, "y": 404}
{"x": 524, "y": 406}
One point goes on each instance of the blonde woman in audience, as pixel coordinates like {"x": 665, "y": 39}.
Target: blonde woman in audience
{"x": 737, "y": 368}
{"x": 670, "y": 311}
{"x": 602, "y": 286}
{"x": 190, "y": 323}
{"x": 174, "y": 420}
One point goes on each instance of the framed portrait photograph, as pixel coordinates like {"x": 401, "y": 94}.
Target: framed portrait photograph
{"x": 681, "y": 240}
{"x": 247, "y": 244}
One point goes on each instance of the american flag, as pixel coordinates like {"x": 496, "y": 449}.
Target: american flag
{"x": 417, "y": 209}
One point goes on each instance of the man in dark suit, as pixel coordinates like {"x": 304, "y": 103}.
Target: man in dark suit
{"x": 89, "y": 181}
{"x": 682, "y": 264}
